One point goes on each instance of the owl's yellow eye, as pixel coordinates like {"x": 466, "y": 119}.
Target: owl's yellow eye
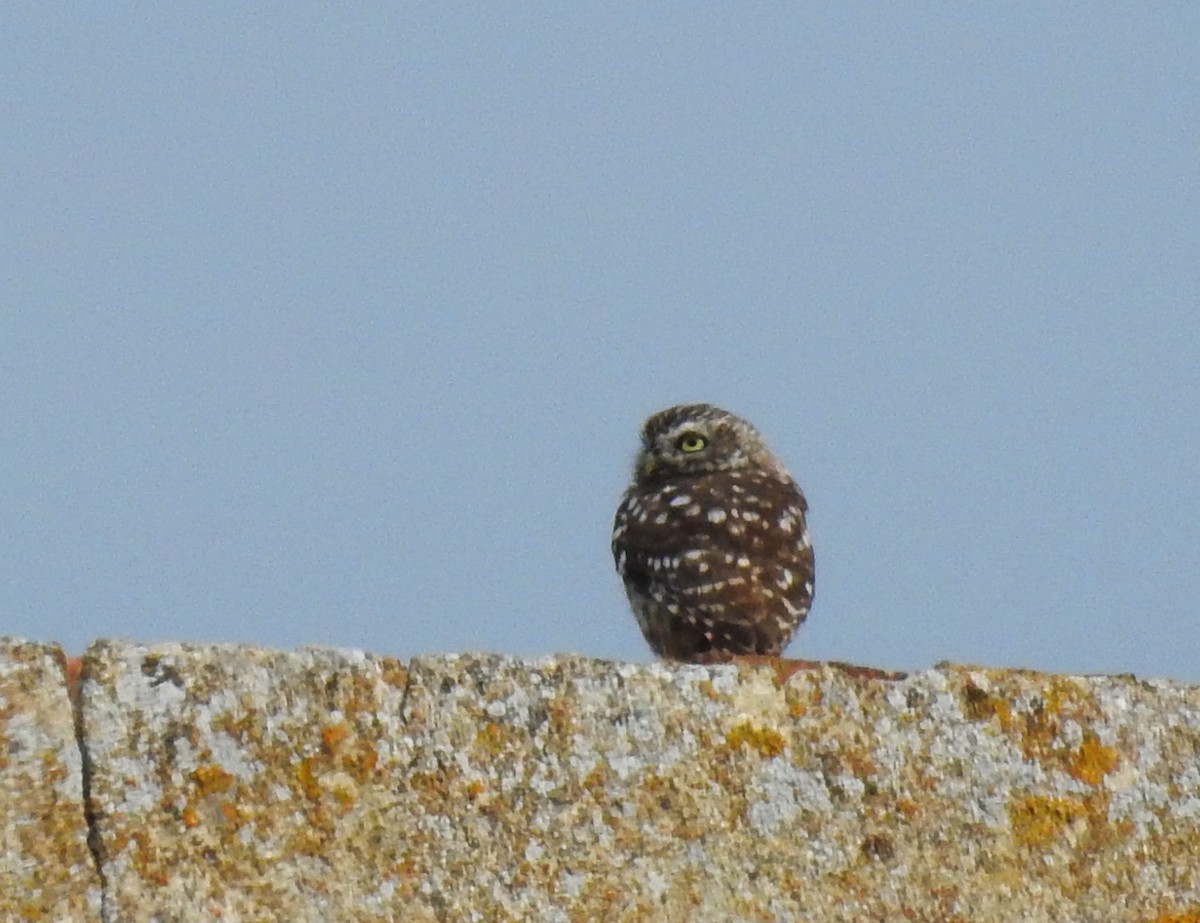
{"x": 690, "y": 442}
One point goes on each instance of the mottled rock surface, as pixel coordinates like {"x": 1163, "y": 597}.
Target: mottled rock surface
{"x": 241, "y": 784}
{"x": 46, "y": 871}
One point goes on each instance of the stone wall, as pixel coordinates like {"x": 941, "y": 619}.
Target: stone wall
{"x": 239, "y": 784}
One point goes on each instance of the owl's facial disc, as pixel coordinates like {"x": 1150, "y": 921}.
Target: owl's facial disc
{"x": 691, "y": 447}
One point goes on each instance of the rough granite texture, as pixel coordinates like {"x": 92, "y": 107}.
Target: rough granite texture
{"x": 46, "y": 870}
{"x": 240, "y": 784}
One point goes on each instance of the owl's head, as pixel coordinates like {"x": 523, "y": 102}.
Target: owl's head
{"x": 691, "y": 439}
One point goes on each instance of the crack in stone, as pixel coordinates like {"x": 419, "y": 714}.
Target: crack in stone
{"x": 76, "y": 670}
{"x": 408, "y": 684}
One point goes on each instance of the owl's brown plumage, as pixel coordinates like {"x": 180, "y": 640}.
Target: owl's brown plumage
{"x": 710, "y": 539}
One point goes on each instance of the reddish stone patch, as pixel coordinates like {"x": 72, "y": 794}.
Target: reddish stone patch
{"x": 73, "y": 671}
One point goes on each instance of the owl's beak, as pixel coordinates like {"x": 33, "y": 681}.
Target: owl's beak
{"x": 646, "y": 467}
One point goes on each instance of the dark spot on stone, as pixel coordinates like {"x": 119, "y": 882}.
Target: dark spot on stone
{"x": 975, "y": 695}
{"x": 878, "y": 847}
{"x": 160, "y": 672}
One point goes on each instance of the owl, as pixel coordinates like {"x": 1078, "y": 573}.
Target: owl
{"x": 710, "y": 539}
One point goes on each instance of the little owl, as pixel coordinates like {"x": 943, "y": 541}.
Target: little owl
{"x": 710, "y": 539}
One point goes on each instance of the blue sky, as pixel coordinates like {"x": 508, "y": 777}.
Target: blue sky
{"x": 328, "y": 324}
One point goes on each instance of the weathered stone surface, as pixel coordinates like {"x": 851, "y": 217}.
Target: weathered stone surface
{"x": 243, "y": 784}
{"x": 46, "y": 870}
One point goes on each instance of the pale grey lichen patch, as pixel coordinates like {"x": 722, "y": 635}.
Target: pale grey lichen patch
{"x": 228, "y": 753}
{"x": 28, "y": 734}
{"x": 779, "y": 792}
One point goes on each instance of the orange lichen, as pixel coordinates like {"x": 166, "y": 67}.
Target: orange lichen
{"x": 332, "y": 737}
{"x": 1093, "y": 761}
{"x": 393, "y": 673}
{"x": 345, "y": 797}
{"x": 231, "y": 814}
{"x": 32, "y": 911}
{"x": 211, "y": 779}
{"x": 430, "y": 783}
{"x": 860, "y": 765}
{"x": 306, "y": 778}
{"x": 800, "y": 698}
{"x": 1037, "y": 820}
{"x": 598, "y": 778}
{"x": 362, "y": 761}
{"x": 493, "y": 738}
{"x": 150, "y": 862}
{"x": 762, "y": 740}
{"x": 53, "y": 771}
{"x": 409, "y": 865}
{"x": 562, "y": 718}
{"x": 244, "y": 727}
